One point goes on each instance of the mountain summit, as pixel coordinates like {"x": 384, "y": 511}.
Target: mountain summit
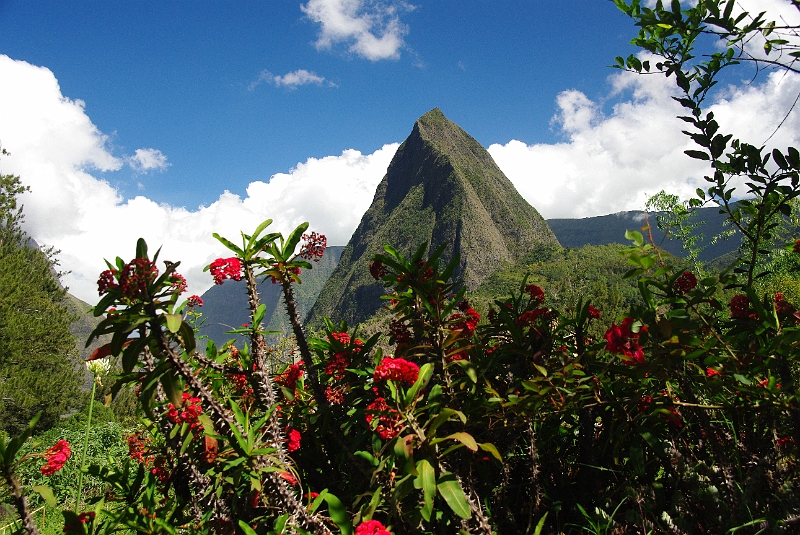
{"x": 442, "y": 186}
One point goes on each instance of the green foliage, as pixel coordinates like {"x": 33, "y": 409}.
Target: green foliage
{"x": 37, "y": 350}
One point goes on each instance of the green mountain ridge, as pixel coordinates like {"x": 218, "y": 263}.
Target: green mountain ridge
{"x": 442, "y": 187}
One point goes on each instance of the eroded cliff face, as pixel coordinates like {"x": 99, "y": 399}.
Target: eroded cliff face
{"x": 442, "y": 186}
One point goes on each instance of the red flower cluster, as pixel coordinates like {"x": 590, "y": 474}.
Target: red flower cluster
{"x": 195, "y": 301}
{"x": 467, "y": 322}
{"x": 711, "y": 372}
{"x": 685, "y": 282}
{"x": 135, "y": 276}
{"x": 796, "y": 247}
{"x": 594, "y": 313}
{"x": 390, "y": 369}
{"x": 740, "y": 307}
{"x": 388, "y": 425}
{"x": 372, "y": 527}
{"x": 622, "y": 340}
{"x": 294, "y": 440}
{"x": 337, "y": 364}
{"x": 377, "y": 270}
{"x": 783, "y": 308}
{"x": 107, "y": 281}
{"x": 343, "y": 338}
{"x": 226, "y": 268}
{"x": 674, "y": 418}
{"x": 314, "y": 246}
{"x": 160, "y": 470}
{"x": 137, "y": 448}
{"x": 241, "y": 384}
{"x": 334, "y": 394}
{"x": 190, "y": 412}
{"x": 536, "y": 293}
{"x": 178, "y": 282}
{"x": 529, "y": 317}
{"x": 461, "y": 355}
{"x": 290, "y": 376}
{"x": 56, "y": 456}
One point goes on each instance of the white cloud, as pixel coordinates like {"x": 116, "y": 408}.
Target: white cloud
{"x": 612, "y": 162}
{"x": 53, "y": 144}
{"x": 291, "y": 80}
{"x": 372, "y": 28}
{"x": 146, "y": 160}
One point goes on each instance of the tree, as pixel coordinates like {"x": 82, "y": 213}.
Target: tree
{"x": 37, "y": 351}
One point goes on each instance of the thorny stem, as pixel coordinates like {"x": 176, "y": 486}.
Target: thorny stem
{"x": 21, "y": 503}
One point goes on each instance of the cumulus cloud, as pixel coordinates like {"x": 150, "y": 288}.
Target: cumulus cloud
{"x": 146, "y": 160}
{"x": 54, "y": 146}
{"x": 290, "y": 80}
{"x": 372, "y": 28}
{"x": 612, "y": 162}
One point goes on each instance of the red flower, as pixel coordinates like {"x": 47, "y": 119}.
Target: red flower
{"x": 294, "y": 440}
{"x": 288, "y": 477}
{"x": 391, "y": 369}
{"x": 137, "y": 448}
{"x": 135, "y": 276}
{"x": 740, "y": 306}
{"x": 314, "y": 247}
{"x": 226, "y": 268}
{"x": 796, "y": 247}
{"x": 388, "y": 425}
{"x": 461, "y": 355}
{"x": 336, "y": 365}
{"x": 290, "y": 376}
{"x": 372, "y": 527}
{"x": 685, "y": 282}
{"x": 343, "y": 338}
{"x": 529, "y": 317}
{"x": 195, "y": 301}
{"x": 674, "y": 418}
{"x": 178, "y": 282}
{"x": 711, "y": 372}
{"x": 594, "y": 313}
{"x": 622, "y": 340}
{"x": 377, "y": 270}
{"x": 468, "y": 322}
{"x": 83, "y": 518}
{"x": 107, "y": 281}
{"x": 189, "y": 413}
{"x": 782, "y": 307}
{"x": 537, "y": 294}
{"x": 56, "y": 456}
{"x": 334, "y": 395}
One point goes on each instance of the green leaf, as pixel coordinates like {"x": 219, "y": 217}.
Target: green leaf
{"x": 453, "y": 494}
{"x": 635, "y": 236}
{"x": 697, "y": 154}
{"x": 172, "y": 387}
{"x": 487, "y": 446}
{"x": 46, "y": 493}
{"x": 425, "y": 373}
{"x": 173, "y": 322}
{"x": 259, "y": 315}
{"x": 339, "y": 514}
{"x": 540, "y": 525}
{"x": 246, "y": 528}
{"x": 230, "y": 245}
{"x": 464, "y": 438}
{"x": 141, "y": 248}
{"x": 293, "y": 240}
{"x": 426, "y": 479}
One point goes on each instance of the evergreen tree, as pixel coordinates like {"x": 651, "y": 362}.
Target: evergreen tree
{"x": 37, "y": 352}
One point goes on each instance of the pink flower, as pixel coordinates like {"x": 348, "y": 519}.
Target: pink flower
{"x": 56, "y": 456}
{"x": 372, "y": 527}
{"x": 226, "y": 268}
{"x": 391, "y": 369}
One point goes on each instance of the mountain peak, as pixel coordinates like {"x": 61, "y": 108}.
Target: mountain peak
{"x": 442, "y": 186}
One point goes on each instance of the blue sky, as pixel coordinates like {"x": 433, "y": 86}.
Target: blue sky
{"x": 194, "y": 117}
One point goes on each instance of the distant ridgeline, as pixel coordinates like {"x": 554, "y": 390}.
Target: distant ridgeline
{"x": 442, "y": 186}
